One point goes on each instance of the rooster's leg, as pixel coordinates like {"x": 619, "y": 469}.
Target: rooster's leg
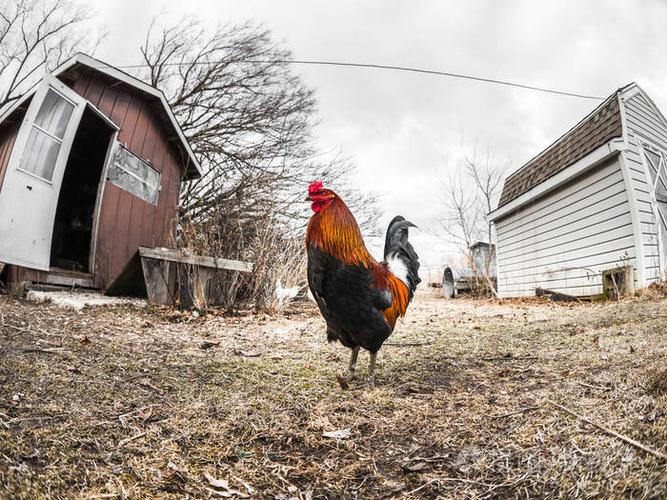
{"x": 371, "y": 370}
{"x": 353, "y": 360}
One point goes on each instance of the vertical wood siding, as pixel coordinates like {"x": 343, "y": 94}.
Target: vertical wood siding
{"x": 645, "y": 124}
{"x": 565, "y": 239}
{"x": 126, "y": 221}
{"x": 8, "y": 135}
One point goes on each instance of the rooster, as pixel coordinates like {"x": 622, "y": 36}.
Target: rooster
{"x": 359, "y": 298}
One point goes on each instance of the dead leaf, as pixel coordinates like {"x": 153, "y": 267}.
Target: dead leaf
{"x": 207, "y": 344}
{"x": 216, "y": 483}
{"x": 85, "y": 340}
{"x": 339, "y": 434}
{"x": 467, "y": 456}
{"x": 72, "y": 369}
{"x": 174, "y": 474}
{"x": 415, "y": 467}
{"x": 216, "y": 493}
{"x": 247, "y": 354}
{"x": 145, "y": 382}
{"x": 144, "y": 415}
{"x": 342, "y": 382}
{"x": 418, "y": 389}
{"x": 223, "y": 484}
{"x": 395, "y": 490}
{"x": 249, "y": 488}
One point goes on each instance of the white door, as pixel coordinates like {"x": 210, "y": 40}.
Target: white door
{"x": 29, "y": 193}
{"x": 657, "y": 167}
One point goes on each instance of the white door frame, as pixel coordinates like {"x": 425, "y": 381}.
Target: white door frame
{"x": 100, "y": 195}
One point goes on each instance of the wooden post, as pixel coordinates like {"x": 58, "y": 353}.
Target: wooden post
{"x": 160, "y": 277}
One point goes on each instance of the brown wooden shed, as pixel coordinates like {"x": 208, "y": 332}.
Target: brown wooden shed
{"x": 91, "y": 161}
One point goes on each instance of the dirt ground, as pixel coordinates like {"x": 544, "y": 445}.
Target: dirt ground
{"x": 144, "y": 402}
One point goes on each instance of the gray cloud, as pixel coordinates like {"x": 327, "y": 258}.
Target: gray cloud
{"x": 399, "y": 127}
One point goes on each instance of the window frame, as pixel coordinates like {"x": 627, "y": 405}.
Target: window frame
{"x": 69, "y": 133}
{"x": 112, "y": 164}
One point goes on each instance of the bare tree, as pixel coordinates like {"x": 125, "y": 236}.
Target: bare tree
{"x": 37, "y": 35}
{"x": 470, "y": 193}
{"x": 249, "y": 117}
{"x": 487, "y": 176}
{"x": 250, "y": 120}
{"x": 461, "y": 220}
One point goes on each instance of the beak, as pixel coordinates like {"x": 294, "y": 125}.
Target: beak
{"x": 307, "y": 198}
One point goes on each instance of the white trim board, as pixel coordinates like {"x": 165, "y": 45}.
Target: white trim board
{"x": 640, "y": 262}
{"x": 595, "y": 157}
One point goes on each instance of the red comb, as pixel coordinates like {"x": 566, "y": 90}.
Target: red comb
{"x": 314, "y": 187}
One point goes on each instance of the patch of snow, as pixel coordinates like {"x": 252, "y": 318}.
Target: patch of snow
{"x": 79, "y": 300}
{"x": 285, "y": 294}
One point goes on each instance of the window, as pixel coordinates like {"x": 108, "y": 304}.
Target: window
{"x": 46, "y": 136}
{"x": 134, "y": 175}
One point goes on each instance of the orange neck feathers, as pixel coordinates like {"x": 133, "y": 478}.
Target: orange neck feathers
{"x": 335, "y": 231}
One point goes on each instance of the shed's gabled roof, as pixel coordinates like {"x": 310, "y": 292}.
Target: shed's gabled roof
{"x": 193, "y": 168}
{"x": 599, "y": 127}
{"x": 79, "y": 59}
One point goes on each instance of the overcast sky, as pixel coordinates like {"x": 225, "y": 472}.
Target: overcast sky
{"x": 400, "y": 127}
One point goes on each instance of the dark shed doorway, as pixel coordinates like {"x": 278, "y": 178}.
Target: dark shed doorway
{"x": 74, "y": 224}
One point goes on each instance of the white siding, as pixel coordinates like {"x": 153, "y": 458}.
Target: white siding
{"x": 564, "y": 240}
{"x": 646, "y": 124}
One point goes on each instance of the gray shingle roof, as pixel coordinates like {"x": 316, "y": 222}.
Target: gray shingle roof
{"x": 598, "y": 128}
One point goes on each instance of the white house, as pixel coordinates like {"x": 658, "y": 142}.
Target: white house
{"x": 591, "y": 206}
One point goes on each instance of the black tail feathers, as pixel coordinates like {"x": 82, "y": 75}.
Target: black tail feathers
{"x": 399, "y": 254}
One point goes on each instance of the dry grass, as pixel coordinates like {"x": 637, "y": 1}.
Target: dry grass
{"x": 145, "y": 403}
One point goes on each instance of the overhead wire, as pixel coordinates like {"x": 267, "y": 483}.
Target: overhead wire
{"x": 385, "y": 67}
